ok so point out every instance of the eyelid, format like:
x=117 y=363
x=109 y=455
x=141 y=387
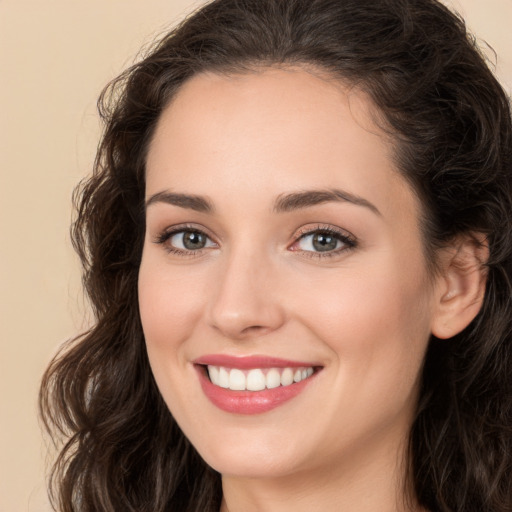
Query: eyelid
x=348 y=239
x=166 y=234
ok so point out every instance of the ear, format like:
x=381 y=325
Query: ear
x=461 y=285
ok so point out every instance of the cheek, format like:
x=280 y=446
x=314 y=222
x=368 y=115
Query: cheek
x=376 y=326
x=170 y=303
x=170 y=306
x=378 y=319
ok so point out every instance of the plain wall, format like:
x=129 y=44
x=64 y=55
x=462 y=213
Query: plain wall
x=56 y=55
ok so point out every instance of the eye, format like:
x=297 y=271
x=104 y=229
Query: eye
x=182 y=240
x=190 y=240
x=323 y=242
x=320 y=242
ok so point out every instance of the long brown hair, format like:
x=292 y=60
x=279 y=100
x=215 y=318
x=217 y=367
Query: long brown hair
x=451 y=123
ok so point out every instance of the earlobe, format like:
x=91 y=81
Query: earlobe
x=461 y=285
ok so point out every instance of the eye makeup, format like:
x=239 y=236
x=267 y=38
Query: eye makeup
x=323 y=241
x=185 y=240
x=318 y=241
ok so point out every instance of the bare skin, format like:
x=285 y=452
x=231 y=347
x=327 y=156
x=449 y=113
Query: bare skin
x=361 y=307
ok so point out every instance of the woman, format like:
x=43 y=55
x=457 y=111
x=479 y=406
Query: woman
x=297 y=242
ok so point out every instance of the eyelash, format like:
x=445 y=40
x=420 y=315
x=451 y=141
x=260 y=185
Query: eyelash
x=167 y=234
x=349 y=241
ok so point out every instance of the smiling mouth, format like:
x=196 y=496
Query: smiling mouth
x=254 y=384
x=257 y=379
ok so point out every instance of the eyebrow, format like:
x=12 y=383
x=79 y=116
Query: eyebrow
x=189 y=201
x=307 y=198
x=283 y=204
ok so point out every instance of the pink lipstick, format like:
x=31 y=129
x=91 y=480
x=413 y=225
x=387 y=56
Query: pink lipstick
x=252 y=385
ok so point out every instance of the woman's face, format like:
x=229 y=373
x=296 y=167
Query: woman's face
x=281 y=241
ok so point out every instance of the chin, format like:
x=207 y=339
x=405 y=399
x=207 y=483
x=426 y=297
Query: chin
x=242 y=467
x=259 y=459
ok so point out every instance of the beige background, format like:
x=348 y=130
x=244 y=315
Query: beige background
x=56 y=55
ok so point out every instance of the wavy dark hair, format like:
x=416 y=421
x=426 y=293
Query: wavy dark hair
x=451 y=125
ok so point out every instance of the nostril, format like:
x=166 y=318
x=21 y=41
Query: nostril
x=254 y=328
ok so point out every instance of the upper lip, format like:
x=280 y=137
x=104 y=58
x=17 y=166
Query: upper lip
x=248 y=362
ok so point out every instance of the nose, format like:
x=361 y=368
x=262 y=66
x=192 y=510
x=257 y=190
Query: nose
x=245 y=303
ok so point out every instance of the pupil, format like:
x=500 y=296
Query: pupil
x=193 y=240
x=324 y=242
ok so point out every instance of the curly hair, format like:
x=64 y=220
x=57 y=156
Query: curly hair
x=451 y=125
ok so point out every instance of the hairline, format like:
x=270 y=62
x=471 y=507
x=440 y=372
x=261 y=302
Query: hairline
x=389 y=135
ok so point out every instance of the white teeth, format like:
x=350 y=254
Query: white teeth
x=256 y=379
x=236 y=380
x=273 y=378
x=213 y=373
x=287 y=377
x=223 y=378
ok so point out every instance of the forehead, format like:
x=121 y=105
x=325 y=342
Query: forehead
x=270 y=130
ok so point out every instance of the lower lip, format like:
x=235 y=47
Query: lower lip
x=249 y=402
